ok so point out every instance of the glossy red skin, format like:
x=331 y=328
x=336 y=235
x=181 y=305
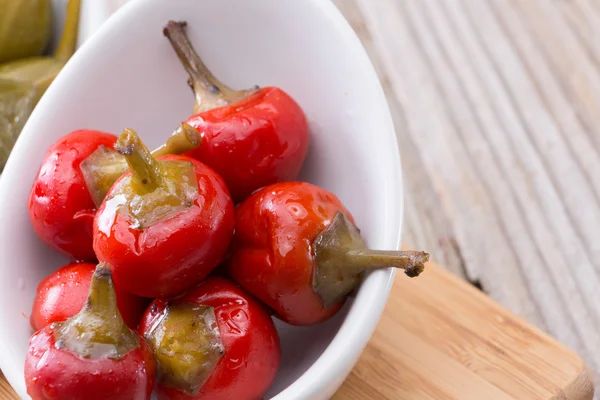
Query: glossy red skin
x=61 y=209
x=57 y=374
x=252 y=350
x=260 y=140
x=174 y=254
x=271 y=253
x=63 y=294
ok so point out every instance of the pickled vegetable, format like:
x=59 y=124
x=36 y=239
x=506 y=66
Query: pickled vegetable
x=24 y=81
x=25 y=28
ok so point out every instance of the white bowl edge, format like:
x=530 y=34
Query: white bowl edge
x=322 y=380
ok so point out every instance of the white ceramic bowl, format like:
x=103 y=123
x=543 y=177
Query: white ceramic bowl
x=126 y=75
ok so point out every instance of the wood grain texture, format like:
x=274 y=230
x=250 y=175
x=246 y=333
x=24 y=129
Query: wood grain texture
x=497 y=111
x=439 y=338
x=6 y=392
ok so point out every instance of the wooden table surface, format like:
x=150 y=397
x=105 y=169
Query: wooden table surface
x=497 y=109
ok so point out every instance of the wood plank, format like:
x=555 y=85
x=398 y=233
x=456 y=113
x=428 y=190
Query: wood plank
x=440 y=338
x=6 y=392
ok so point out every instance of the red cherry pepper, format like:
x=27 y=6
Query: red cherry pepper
x=62 y=294
x=297 y=249
x=252 y=138
x=216 y=343
x=75 y=175
x=164 y=227
x=61 y=209
x=92 y=355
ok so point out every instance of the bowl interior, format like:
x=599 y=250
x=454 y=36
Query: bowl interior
x=128 y=76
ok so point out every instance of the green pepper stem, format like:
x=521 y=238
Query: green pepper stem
x=412 y=262
x=98 y=330
x=341 y=259
x=68 y=39
x=184 y=139
x=208 y=90
x=102 y=299
x=141 y=163
x=187 y=345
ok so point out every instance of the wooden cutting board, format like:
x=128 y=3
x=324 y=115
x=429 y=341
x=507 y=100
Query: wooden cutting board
x=440 y=338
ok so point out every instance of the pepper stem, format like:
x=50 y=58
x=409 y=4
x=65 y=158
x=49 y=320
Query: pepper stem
x=103 y=167
x=144 y=167
x=98 y=330
x=341 y=259
x=412 y=262
x=208 y=90
x=68 y=39
x=102 y=298
x=187 y=345
x=184 y=139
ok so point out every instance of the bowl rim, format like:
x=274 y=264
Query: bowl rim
x=330 y=369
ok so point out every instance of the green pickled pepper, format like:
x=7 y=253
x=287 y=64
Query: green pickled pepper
x=25 y=28
x=24 y=81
